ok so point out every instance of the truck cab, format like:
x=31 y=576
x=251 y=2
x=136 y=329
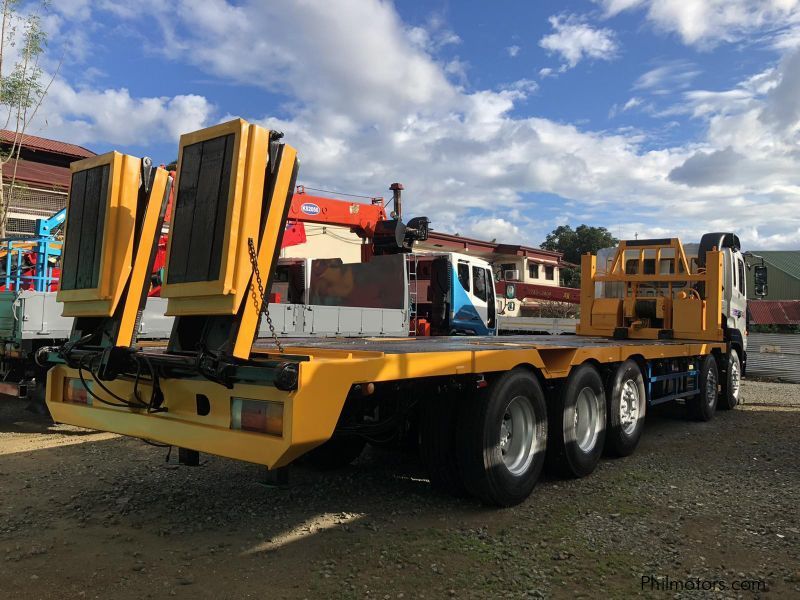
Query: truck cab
x=455 y=294
x=734 y=286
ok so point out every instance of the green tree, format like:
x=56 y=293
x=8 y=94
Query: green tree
x=21 y=87
x=573 y=243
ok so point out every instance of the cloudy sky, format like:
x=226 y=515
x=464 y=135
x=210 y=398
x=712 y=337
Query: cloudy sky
x=503 y=119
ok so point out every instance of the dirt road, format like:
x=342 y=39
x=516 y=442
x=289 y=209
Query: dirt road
x=91 y=515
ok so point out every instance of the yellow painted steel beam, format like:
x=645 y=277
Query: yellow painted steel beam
x=268 y=247
x=140 y=271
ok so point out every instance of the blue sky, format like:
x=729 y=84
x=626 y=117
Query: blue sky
x=502 y=119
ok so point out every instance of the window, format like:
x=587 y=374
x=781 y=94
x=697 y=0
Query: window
x=733 y=270
x=549 y=273
x=463 y=275
x=533 y=270
x=479 y=283
x=742 y=287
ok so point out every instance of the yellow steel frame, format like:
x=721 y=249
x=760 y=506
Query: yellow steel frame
x=709 y=307
x=311 y=412
x=140 y=270
x=270 y=240
x=117 y=244
x=224 y=295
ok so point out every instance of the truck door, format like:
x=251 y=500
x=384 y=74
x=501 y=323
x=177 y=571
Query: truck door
x=472 y=294
x=737 y=304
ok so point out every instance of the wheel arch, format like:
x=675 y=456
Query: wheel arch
x=543 y=381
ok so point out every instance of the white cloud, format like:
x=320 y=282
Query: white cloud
x=707 y=22
x=574 y=40
x=631 y=103
x=457 y=151
x=87 y=116
x=372 y=104
x=668 y=77
x=513 y=51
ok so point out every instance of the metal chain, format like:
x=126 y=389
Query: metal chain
x=264 y=305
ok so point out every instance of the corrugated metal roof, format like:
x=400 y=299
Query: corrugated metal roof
x=774 y=312
x=39 y=143
x=38 y=174
x=785 y=260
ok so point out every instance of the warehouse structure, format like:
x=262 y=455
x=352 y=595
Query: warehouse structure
x=783 y=275
x=41 y=179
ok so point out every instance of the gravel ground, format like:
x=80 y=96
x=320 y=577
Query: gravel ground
x=88 y=515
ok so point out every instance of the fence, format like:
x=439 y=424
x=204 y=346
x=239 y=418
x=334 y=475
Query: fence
x=774 y=356
x=30 y=203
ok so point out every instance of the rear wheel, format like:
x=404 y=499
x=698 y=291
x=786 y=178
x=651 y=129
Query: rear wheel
x=336 y=453
x=627 y=404
x=578 y=424
x=502 y=438
x=437 y=433
x=731 y=382
x=702 y=406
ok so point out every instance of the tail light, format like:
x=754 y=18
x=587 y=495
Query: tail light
x=257 y=415
x=76 y=392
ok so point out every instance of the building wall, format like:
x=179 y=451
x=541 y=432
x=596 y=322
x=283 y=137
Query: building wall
x=530 y=270
x=780 y=285
x=326 y=241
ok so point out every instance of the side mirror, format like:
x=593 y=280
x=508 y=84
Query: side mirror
x=511 y=291
x=760 y=280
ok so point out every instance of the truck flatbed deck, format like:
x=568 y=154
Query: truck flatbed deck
x=457 y=343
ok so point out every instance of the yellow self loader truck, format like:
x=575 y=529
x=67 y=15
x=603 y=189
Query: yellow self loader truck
x=658 y=324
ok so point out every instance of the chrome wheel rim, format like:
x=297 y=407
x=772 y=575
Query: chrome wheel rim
x=711 y=388
x=735 y=378
x=629 y=407
x=587 y=413
x=518 y=436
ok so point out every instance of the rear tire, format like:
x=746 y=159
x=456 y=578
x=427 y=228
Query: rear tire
x=502 y=438
x=627 y=405
x=578 y=424
x=702 y=406
x=731 y=382
x=437 y=432
x=336 y=453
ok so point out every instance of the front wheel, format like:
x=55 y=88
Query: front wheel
x=702 y=406
x=502 y=437
x=731 y=382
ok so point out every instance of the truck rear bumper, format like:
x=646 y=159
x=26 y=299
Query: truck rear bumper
x=184 y=423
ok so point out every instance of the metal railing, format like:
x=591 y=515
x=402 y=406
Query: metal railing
x=18 y=273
